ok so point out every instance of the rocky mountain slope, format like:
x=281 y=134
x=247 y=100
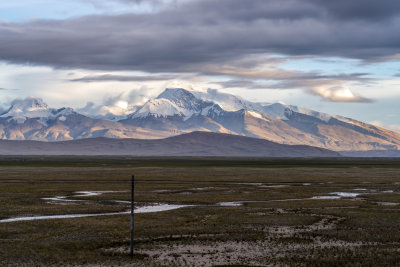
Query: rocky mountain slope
x=32 y=119
x=177 y=111
x=180 y=111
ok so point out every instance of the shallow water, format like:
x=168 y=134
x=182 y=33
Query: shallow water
x=345 y=194
x=230 y=204
x=326 y=197
x=63 y=200
x=159 y=207
x=35 y=218
x=143 y=209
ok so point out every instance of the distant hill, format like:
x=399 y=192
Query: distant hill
x=192 y=144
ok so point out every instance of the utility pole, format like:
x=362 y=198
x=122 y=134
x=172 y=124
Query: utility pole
x=132 y=211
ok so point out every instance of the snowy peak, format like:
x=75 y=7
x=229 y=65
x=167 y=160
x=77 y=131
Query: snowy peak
x=159 y=107
x=234 y=103
x=31 y=107
x=211 y=103
x=177 y=94
x=184 y=99
x=173 y=102
x=30 y=103
x=277 y=111
x=226 y=101
x=178 y=110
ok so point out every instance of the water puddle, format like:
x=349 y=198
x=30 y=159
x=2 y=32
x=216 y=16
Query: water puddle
x=230 y=204
x=275 y=186
x=337 y=195
x=326 y=197
x=69 y=216
x=157 y=207
x=345 y=194
x=64 y=200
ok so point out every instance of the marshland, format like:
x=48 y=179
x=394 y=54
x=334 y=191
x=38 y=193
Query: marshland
x=222 y=211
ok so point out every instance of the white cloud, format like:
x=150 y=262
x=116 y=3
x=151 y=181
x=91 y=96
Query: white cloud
x=338 y=94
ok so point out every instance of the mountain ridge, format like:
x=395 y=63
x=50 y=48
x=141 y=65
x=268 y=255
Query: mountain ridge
x=177 y=111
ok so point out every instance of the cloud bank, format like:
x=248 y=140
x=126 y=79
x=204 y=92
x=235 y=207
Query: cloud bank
x=243 y=41
x=195 y=33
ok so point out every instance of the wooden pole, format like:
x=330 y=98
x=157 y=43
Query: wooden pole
x=132 y=212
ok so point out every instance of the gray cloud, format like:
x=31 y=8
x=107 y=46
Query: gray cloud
x=360 y=9
x=241 y=84
x=122 y=78
x=103 y=4
x=110 y=106
x=333 y=88
x=195 y=33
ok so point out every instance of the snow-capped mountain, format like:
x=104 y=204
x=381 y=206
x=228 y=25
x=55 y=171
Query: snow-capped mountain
x=32 y=119
x=177 y=111
x=276 y=110
x=34 y=108
x=173 y=102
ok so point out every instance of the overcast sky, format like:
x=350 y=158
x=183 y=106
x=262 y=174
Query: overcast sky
x=340 y=57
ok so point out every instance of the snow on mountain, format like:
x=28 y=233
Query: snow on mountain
x=276 y=110
x=115 y=112
x=35 y=108
x=160 y=108
x=30 y=107
x=257 y=115
x=226 y=101
x=185 y=103
x=173 y=102
x=32 y=119
x=176 y=111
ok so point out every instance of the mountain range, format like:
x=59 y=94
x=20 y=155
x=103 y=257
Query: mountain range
x=178 y=111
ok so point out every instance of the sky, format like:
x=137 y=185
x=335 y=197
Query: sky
x=339 y=57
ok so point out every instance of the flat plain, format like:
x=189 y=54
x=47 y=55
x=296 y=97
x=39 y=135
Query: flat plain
x=235 y=212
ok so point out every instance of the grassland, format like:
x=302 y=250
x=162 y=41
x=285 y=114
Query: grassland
x=279 y=222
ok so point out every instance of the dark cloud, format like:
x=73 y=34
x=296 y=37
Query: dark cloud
x=106 y=3
x=360 y=9
x=248 y=84
x=196 y=33
x=333 y=88
x=122 y=78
